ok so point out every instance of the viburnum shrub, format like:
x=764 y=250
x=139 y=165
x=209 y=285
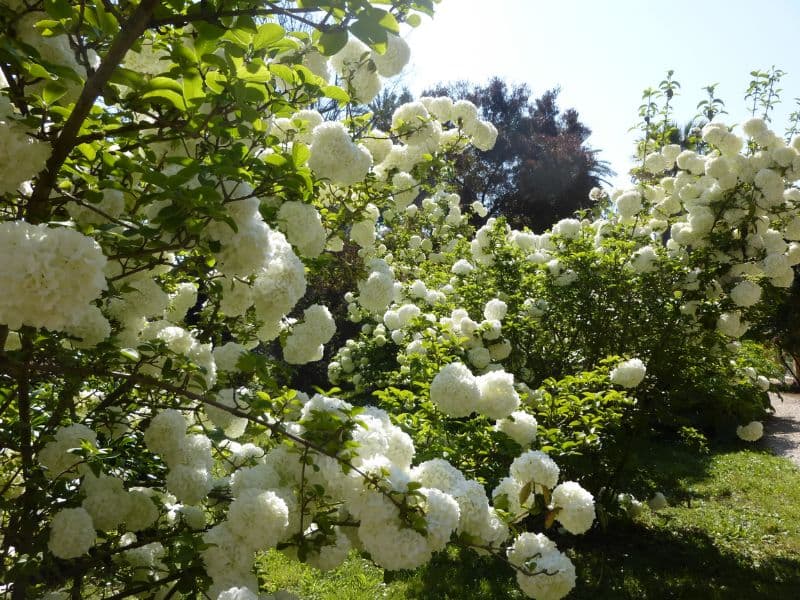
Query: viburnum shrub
x=181 y=185
x=195 y=205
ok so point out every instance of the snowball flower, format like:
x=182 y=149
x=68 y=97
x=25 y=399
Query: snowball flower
x=519 y=426
x=50 y=276
x=454 y=390
x=628 y=374
x=553 y=573
x=71 y=533
x=334 y=156
x=628 y=204
x=377 y=291
x=238 y=593
x=232 y=425
x=535 y=466
x=55 y=456
x=495 y=310
x=751 y=432
x=397 y=54
x=498 y=397
x=259 y=518
x=413 y=121
x=306 y=342
x=730 y=324
x=461 y=267
x=644 y=260
x=165 y=433
x=575 y=507
x=746 y=293
x=658 y=501
x=484 y=135
x=303 y=227
x=21 y=155
x=568 y=228
x=353 y=64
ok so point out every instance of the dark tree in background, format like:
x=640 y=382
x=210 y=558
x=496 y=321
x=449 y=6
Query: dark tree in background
x=539 y=171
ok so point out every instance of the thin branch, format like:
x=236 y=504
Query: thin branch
x=38 y=209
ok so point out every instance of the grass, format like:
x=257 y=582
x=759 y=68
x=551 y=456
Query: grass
x=732 y=531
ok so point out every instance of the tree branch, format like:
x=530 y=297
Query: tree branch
x=38 y=209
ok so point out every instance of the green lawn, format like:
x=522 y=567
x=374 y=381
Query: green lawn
x=732 y=531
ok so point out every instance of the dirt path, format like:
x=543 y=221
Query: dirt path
x=782 y=430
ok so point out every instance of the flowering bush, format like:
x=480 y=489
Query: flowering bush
x=176 y=193
x=179 y=218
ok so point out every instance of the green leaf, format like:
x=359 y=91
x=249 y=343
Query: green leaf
x=165 y=83
x=300 y=153
x=193 y=87
x=53 y=90
x=284 y=72
x=268 y=34
x=254 y=72
x=388 y=22
x=369 y=31
x=239 y=36
x=60 y=9
x=37 y=71
x=216 y=81
x=87 y=150
x=168 y=96
x=330 y=42
x=334 y=92
x=127 y=77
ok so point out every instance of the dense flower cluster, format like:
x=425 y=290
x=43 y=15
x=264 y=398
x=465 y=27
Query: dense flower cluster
x=71 y=533
x=306 y=341
x=188 y=456
x=56 y=274
x=21 y=155
x=548 y=574
x=751 y=432
x=628 y=374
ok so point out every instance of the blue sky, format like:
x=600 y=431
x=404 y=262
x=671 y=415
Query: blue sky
x=603 y=54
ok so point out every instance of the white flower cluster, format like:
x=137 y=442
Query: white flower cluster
x=458 y=393
x=334 y=155
x=550 y=574
x=232 y=425
x=751 y=432
x=110 y=504
x=278 y=285
x=71 y=533
x=257 y=520
x=397 y=55
x=244 y=250
x=520 y=426
x=303 y=227
x=629 y=373
x=377 y=290
x=298 y=127
x=21 y=156
x=187 y=456
x=306 y=341
x=360 y=67
x=574 y=507
x=55 y=456
x=110 y=206
x=353 y=63
x=51 y=277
